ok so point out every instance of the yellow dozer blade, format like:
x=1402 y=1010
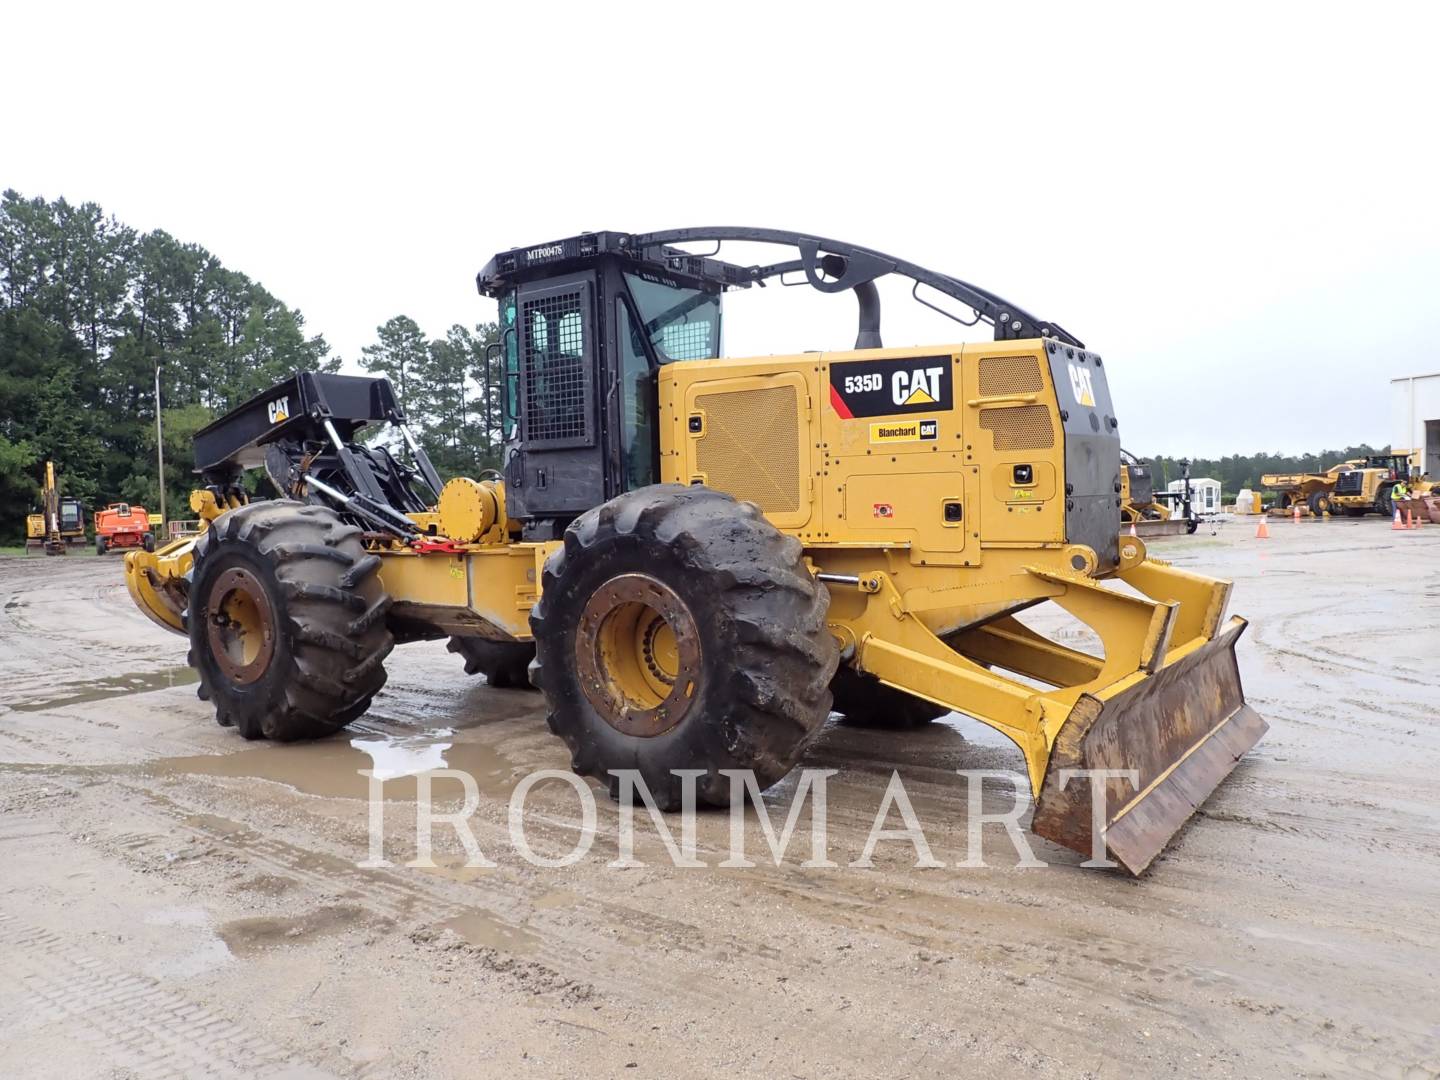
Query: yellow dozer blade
x=1162 y=708
x=1177 y=732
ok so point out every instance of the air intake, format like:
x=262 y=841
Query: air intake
x=1000 y=375
x=1024 y=427
x=749 y=448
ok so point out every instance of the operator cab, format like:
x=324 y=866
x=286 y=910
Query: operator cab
x=584 y=327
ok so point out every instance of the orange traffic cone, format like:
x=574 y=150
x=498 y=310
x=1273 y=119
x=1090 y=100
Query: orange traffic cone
x=1397 y=524
x=1262 y=532
x=1410 y=522
x=1132 y=530
x=1297 y=513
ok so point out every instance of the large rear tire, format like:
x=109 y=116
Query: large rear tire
x=287 y=621
x=505 y=664
x=678 y=629
x=864 y=701
x=1319 y=503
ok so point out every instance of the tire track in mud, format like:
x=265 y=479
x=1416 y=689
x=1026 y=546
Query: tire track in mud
x=606 y=940
x=421 y=903
x=57 y=620
x=131 y=1019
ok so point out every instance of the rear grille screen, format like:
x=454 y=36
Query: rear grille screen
x=1009 y=375
x=1349 y=483
x=749 y=447
x=1024 y=427
x=557 y=399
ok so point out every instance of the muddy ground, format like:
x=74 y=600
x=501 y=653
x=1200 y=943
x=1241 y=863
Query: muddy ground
x=175 y=901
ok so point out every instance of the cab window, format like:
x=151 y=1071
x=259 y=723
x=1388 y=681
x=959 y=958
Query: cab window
x=681 y=324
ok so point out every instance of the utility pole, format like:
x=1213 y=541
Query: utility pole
x=159 y=444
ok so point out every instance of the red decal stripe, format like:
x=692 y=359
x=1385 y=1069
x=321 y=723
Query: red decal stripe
x=838 y=404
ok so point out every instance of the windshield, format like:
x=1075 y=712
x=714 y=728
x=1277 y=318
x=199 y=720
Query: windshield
x=682 y=324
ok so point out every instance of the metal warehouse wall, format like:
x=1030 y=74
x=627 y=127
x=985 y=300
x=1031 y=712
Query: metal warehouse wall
x=1415 y=417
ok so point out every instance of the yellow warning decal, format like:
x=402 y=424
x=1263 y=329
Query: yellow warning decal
x=890 y=431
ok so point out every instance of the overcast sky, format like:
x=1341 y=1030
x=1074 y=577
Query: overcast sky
x=1237 y=206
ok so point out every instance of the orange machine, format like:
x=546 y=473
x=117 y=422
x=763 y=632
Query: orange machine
x=121 y=525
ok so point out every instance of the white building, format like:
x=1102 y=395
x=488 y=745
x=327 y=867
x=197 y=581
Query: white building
x=1204 y=495
x=1415 y=420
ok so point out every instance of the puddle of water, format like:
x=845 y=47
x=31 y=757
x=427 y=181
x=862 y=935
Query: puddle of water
x=248 y=936
x=485 y=931
x=558 y=898
x=332 y=768
x=394 y=756
x=976 y=732
x=114 y=686
x=1288 y=936
x=205 y=953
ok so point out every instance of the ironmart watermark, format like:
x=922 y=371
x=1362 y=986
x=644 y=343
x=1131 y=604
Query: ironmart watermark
x=895 y=819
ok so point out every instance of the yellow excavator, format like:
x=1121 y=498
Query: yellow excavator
x=60 y=523
x=698 y=560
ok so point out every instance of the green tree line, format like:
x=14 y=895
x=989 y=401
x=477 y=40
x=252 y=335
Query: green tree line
x=441 y=383
x=90 y=308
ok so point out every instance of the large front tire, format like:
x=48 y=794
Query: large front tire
x=678 y=629
x=287 y=621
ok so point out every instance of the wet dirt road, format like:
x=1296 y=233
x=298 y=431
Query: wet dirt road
x=175 y=901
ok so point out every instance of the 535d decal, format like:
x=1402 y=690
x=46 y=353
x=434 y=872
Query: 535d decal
x=891 y=387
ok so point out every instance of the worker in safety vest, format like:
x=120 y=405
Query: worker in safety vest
x=1400 y=492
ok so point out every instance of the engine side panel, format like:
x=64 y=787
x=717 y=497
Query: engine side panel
x=941 y=451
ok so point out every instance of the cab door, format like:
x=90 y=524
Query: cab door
x=558 y=469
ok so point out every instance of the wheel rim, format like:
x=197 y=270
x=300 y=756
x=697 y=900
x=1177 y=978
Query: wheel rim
x=637 y=653
x=240 y=626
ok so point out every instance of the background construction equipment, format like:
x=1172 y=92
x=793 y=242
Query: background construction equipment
x=60 y=523
x=123 y=526
x=1356 y=487
x=1146 y=512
